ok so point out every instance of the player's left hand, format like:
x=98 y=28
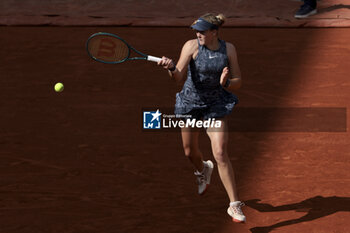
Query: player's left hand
x=224 y=76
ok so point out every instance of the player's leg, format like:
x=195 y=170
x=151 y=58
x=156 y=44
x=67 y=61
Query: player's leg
x=219 y=140
x=191 y=148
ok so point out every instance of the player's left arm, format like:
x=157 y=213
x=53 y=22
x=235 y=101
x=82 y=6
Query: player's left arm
x=233 y=72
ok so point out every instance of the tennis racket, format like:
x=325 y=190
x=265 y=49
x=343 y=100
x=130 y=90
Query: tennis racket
x=111 y=49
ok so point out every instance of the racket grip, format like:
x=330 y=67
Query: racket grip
x=154 y=59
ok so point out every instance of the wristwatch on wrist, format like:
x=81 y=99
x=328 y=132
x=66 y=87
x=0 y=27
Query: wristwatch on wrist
x=227 y=83
x=172 y=69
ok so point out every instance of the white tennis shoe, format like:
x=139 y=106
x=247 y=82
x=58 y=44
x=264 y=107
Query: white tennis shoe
x=235 y=211
x=203 y=178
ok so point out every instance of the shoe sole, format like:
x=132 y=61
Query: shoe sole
x=211 y=168
x=307 y=15
x=233 y=219
x=237 y=221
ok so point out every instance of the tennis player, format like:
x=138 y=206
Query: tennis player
x=212 y=74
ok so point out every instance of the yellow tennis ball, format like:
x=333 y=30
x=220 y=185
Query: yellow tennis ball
x=59 y=87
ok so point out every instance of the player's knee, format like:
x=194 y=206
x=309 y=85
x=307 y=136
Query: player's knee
x=189 y=151
x=220 y=156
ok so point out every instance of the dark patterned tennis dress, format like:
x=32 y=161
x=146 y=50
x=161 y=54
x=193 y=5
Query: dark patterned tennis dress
x=202 y=95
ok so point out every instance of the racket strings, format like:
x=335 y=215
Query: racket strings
x=107 y=48
x=121 y=51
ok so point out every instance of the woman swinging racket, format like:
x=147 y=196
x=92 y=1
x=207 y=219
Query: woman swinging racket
x=212 y=74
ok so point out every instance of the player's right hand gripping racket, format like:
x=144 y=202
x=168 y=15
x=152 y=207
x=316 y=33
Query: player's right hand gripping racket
x=111 y=49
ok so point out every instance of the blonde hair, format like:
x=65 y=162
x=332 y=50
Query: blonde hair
x=218 y=20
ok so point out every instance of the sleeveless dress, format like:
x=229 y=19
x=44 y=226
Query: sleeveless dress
x=202 y=95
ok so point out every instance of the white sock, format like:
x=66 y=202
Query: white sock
x=234 y=203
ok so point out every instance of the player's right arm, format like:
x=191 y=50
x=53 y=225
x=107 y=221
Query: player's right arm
x=187 y=52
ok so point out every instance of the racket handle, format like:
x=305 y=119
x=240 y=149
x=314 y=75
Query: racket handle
x=154 y=59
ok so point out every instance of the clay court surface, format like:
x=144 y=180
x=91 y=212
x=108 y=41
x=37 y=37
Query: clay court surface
x=79 y=161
